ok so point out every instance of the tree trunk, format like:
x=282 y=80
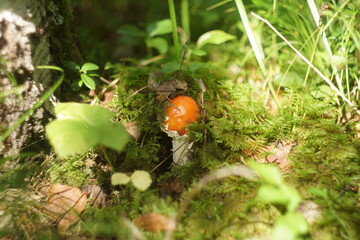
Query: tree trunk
x=32 y=33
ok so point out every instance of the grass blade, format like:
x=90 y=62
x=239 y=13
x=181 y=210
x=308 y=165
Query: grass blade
x=332 y=86
x=174 y=28
x=29 y=112
x=185 y=16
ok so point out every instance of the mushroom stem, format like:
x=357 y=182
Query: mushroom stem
x=181 y=150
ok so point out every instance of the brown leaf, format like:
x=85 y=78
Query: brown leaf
x=96 y=194
x=154 y=222
x=170 y=187
x=108 y=96
x=278 y=154
x=64 y=204
x=165 y=89
x=133 y=130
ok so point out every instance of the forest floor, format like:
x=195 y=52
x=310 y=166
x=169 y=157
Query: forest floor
x=270 y=157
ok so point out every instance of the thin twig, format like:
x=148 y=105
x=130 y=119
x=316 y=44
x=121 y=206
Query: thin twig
x=103 y=91
x=332 y=86
x=136 y=92
x=183 y=57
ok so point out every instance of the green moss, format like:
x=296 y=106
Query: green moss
x=73 y=171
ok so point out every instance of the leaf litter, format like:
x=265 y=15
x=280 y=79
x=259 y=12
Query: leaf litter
x=64 y=204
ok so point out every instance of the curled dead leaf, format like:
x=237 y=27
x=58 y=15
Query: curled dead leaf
x=95 y=194
x=133 y=130
x=64 y=205
x=154 y=222
x=165 y=89
x=278 y=154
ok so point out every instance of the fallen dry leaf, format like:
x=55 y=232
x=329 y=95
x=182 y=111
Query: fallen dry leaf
x=170 y=187
x=133 y=130
x=278 y=154
x=64 y=204
x=310 y=210
x=154 y=222
x=95 y=194
x=165 y=89
x=108 y=96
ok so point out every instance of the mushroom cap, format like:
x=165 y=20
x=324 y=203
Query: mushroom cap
x=181 y=111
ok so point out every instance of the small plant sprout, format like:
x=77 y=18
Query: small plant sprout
x=181 y=111
x=86 y=74
x=140 y=179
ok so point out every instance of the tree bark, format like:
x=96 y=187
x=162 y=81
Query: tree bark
x=32 y=33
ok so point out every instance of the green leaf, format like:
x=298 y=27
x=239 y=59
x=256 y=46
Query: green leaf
x=89 y=82
x=93 y=75
x=214 y=37
x=119 y=178
x=339 y=61
x=322 y=92
x=160 y=28
x=80 y=127
x=114 y=136
x=291 y=80
x=282 y=231
x=269 y=173
x=91 y=114
x=69 y=136
x=131 y=30
x=292 y=195
x=170 y=67
x=284 y=195
x=193 y=66
x=159 y=44
x=72 y=66
x=76 y=85
x=319 y=192
x=290 y=226
x=141 y=180
x=272 y=194
x=89 y=67
x=198 y=52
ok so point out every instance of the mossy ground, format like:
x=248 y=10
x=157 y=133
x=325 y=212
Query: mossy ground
x=234 y=123
x=240 y=118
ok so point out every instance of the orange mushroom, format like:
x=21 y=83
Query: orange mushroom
x=181 y=111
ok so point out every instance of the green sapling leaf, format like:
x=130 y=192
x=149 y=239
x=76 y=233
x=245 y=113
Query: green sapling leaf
x=114 y=136
x=194 y=66
x=119 y=178
x=319 y=192
x=79 y=127
x=70 y=136
x=141 y=180
x=170 y=67
x=89 y=67
x=159 y=44
x=131 y=30
x=214 y=37
x=159 y=28
x=91 y=114
x=93 y=75
x=285 y=195
x=198 y=52
x=272 y=194
x=89 y=82
x=292 y=195
x=290 y=226
x=268 y=173
x=72 y=66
